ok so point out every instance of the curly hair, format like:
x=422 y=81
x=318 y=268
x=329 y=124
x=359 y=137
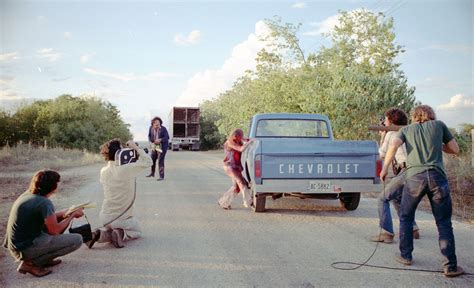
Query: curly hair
x=397 y=116
x=422 y=113
x=109 y=149
x=44 y=181
x=156 y=118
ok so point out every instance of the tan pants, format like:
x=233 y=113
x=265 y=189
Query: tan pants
x=238 y=185
x=130 y=227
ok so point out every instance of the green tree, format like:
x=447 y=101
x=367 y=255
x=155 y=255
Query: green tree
x=209 y=133
x=69 y=122
x=6 y=128
x=353 y=82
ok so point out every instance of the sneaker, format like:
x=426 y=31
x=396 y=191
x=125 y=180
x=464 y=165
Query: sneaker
x=150 y=175
x=117 y=238
x=416 y=234
x=402 y=260
x=453 y=272
x=383 y=237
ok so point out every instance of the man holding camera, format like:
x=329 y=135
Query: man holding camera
x=118 y=182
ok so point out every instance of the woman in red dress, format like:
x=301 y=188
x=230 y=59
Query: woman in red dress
x=233 y=148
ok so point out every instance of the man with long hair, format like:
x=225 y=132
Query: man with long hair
x=158 y=137
x=426 y=138
x=35 y=231
x=393 y=187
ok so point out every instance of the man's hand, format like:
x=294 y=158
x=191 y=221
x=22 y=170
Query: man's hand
x=78 y=213
x=383 y=173
x=157 y=141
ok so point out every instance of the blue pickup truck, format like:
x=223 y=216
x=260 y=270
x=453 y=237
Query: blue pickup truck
x=295 y=155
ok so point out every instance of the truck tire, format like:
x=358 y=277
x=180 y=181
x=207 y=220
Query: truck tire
x=259 y=203
x=350 y=201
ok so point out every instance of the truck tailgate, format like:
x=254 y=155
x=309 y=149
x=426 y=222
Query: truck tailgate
x=312 y=158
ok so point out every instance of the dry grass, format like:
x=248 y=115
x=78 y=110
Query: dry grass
x=461 y=183
x=27 y=158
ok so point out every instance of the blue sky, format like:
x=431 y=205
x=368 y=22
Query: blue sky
x=148 y=56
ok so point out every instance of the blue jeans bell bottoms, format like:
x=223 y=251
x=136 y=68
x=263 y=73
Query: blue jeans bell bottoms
x=392 y=191
x=434 y=185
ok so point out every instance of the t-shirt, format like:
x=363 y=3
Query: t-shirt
x=424 y=143
x=26 y=220
x=401 y=154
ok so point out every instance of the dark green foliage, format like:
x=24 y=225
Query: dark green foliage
x=69 y=122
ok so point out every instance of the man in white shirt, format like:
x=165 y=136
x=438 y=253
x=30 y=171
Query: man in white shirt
x=393 y=186
x=118 y=182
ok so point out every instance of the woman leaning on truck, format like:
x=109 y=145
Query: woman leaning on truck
x=233 y=148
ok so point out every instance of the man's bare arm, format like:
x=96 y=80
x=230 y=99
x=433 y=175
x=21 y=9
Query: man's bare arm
x=451 y=147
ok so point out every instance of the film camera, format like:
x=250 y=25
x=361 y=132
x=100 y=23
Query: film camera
x=125 y=156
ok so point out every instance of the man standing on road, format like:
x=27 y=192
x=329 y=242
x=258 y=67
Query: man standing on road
x=158 y=137
x=425 y=140
x=118 y=183
x=392 y=191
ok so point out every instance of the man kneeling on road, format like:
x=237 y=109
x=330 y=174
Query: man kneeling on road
x=425 y=140
x=118 y=182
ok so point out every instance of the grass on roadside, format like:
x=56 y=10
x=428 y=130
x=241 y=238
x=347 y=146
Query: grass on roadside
x=26 y=158
x=461 y=182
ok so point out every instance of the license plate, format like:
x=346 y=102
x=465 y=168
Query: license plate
x=320 y=186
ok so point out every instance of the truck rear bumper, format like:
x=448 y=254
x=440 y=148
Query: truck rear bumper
x=307 y=186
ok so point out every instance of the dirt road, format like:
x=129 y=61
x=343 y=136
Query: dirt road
x=189 y=241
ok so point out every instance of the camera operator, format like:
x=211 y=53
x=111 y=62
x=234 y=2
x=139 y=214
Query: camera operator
x=118 y=182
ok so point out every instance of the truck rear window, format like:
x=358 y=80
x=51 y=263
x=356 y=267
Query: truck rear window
x=292 y=128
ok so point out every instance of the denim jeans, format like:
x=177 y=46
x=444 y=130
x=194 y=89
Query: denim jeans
x=435 y=186
x=47 y=247
x=392 y=191
x=161 y=163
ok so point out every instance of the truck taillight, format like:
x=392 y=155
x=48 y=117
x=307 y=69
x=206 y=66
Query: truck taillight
x=378 y=167
x=258 y=167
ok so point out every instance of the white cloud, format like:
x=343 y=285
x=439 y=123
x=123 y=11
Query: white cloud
x=299 y=5
x=9 y=56
x=191 y=39
x=210 y=83
x=86 y=57
x=68 y=35
x=125 y=77
x=8 y=89
x=49 y=54
x=456 y=102
x=325 y=26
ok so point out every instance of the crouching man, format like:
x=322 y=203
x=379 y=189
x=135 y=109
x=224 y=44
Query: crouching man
x=118 y=182
x=34 y=229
